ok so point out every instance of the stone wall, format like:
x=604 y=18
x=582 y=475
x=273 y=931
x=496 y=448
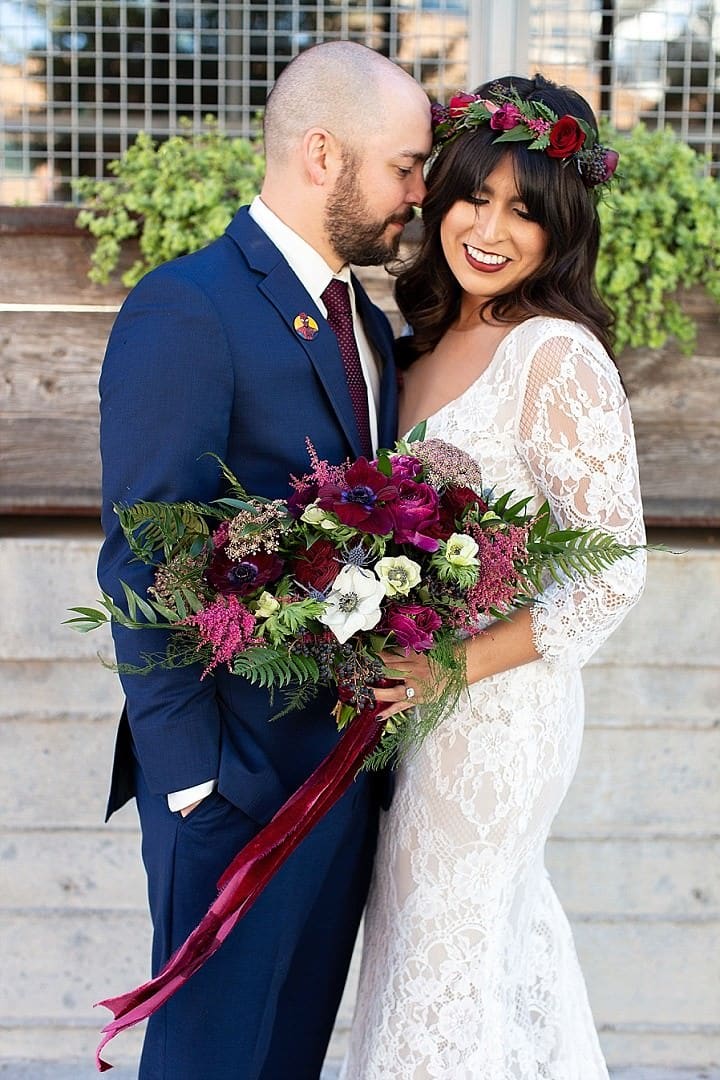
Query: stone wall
x=634 y=854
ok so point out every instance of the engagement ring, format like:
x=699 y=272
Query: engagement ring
x=409 y=693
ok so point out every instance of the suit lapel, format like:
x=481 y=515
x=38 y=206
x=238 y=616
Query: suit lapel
x=285 y=292
x=380 y=338
x=287 y=295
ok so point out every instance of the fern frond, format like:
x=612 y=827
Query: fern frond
x=567 y=552
x=296 y=699
x=272 y=668
x=151 y=526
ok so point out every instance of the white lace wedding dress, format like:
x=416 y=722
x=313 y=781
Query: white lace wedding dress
x=469 y=970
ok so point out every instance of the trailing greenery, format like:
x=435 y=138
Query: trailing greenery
x=150 y=526
x=174 y=197
x=660 y=235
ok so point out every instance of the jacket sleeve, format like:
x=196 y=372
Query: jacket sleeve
x=166 y=394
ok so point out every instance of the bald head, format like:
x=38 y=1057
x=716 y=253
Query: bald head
x=340 y=86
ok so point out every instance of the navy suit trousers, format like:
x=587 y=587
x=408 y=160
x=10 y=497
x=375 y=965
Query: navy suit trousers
x=263 y=1007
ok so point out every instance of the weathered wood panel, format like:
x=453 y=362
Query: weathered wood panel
x=51 y=358
x=49 y=459
x=44 y=259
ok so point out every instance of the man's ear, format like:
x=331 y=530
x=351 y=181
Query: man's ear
x=321 y=156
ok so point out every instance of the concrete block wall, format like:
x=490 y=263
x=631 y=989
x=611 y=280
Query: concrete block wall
x=634 y=855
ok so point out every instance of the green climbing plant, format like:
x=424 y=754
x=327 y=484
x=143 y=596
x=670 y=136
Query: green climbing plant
x=660 y=236
x=174 y=197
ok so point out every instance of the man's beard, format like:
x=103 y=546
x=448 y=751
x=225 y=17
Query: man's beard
x=354 y=235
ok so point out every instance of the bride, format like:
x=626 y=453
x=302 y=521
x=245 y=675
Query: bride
x=469 y=970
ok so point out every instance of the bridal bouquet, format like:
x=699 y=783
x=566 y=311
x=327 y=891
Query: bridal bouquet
x=405 y=552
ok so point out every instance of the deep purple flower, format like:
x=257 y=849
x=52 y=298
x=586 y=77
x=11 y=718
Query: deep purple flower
x=413 y=626
x=232 y=577
x=361 y=501
x=415 y=515
x=610 y=159
x=301 y=499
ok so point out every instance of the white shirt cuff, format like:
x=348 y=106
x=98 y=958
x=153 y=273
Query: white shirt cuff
x=178 y=800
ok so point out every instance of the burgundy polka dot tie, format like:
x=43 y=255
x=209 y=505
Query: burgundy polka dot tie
x=337 y=301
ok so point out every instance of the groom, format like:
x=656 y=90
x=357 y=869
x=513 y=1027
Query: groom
x=245 y=349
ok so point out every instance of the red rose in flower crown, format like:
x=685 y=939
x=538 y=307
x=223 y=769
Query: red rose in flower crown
x=566 y=138
x=459 y=103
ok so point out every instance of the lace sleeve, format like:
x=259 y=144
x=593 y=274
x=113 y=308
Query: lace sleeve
x=575 y=432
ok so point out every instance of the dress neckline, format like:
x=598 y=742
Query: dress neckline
x=499 y=349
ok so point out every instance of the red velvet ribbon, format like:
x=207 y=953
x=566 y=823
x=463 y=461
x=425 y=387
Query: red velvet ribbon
x=248 y=874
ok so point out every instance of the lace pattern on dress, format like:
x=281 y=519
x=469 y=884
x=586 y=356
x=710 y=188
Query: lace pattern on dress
x=469 y=970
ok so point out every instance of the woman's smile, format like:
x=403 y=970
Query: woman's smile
x=485 y=261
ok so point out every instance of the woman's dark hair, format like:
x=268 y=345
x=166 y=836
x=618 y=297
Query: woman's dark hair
x=555 y=196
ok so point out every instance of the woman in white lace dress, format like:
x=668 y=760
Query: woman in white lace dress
x=469 y=969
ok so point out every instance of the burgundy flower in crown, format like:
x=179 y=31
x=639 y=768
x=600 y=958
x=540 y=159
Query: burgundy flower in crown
x=565 y=138
x=506 y=118
x=459 y=103
x=611 y=158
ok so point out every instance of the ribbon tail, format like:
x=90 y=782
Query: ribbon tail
x=248 y=874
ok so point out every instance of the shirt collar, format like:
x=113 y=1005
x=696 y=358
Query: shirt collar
x=305 y=262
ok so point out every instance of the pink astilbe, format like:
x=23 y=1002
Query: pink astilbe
x=227 y=626
x=501 y=555
x=321 y=472
x=538 y=127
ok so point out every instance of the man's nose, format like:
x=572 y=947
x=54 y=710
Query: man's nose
x=418 y=190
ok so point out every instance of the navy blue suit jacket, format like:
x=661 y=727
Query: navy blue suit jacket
x=204 y=357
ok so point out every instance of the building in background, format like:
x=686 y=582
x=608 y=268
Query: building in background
x=80 y=78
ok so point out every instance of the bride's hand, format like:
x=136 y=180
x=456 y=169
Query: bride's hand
x=414 y=670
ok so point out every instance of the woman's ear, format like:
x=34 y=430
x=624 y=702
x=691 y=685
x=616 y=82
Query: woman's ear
x=321 y=156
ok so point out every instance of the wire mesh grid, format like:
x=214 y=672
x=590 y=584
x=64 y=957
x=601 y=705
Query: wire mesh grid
x=80 y=78
x=650 y=61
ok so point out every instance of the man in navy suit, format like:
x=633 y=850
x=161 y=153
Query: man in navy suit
x=229 y=350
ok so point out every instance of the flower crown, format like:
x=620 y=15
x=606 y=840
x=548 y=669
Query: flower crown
x=566 y=137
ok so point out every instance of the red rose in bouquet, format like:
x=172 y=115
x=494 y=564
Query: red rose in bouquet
x=318 y=567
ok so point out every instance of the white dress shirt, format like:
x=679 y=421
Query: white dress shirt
x=315 y=275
